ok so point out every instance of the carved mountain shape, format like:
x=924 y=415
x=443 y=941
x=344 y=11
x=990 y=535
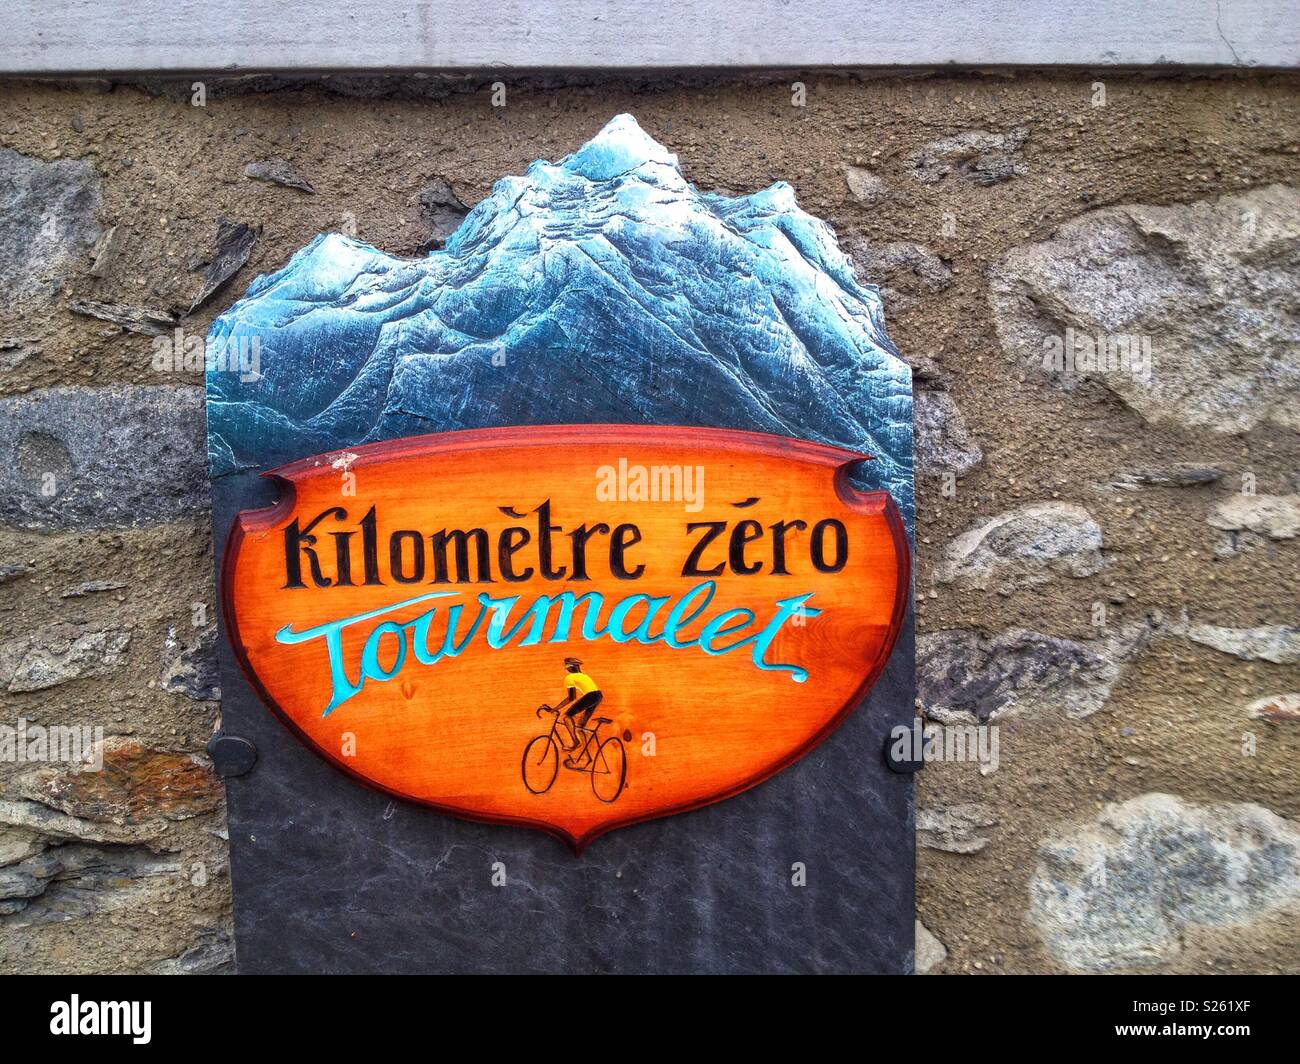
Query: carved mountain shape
x=600 y=288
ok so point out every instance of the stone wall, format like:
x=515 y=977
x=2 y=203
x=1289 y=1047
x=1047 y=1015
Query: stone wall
x=1106 y=548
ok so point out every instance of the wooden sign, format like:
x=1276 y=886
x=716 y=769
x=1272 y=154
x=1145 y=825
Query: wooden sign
x=572 y=628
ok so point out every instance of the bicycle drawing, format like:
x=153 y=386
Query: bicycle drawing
x=604 y=759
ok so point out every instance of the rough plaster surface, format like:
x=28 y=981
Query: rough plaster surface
x=101 y=882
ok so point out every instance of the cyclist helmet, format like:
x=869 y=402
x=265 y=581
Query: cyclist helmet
x=574 y=662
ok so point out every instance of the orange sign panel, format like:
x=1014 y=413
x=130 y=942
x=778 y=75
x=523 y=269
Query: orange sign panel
x=574 y=628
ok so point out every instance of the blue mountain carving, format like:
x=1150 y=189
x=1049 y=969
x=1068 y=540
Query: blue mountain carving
x=602 y=288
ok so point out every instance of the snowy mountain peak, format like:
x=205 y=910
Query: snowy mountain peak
x=621 y=147
x=602 y=288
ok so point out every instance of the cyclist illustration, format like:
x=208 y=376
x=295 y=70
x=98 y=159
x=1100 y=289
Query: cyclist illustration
x=584 y=694
x=605 y=759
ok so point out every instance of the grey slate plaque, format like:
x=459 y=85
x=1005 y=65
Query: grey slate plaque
x=600 y=289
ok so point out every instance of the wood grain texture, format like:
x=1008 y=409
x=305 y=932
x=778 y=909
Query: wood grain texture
x=451 y=733
x=112 y=36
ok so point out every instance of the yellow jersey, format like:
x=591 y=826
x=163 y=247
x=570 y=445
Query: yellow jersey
x=584 y=683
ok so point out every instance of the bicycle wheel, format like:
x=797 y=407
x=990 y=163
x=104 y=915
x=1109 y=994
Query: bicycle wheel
x=540 y=764
x=609 y=770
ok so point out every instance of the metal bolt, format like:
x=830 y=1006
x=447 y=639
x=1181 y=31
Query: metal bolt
x=231 y=755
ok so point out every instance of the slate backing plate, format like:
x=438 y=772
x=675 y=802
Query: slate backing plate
x=331 y=876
